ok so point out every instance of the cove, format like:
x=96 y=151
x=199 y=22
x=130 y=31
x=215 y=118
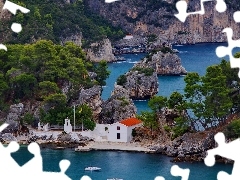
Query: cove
x=195 y=58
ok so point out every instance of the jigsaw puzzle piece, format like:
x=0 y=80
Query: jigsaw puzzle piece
x=222 y=51
x=223 y=176
x=110 y=1
x=85 y=178
x=12 y=7
x=177 y=171
x=221 y=6
x=181 y=6
x=5 y=156
x=64 y=164
x=5 y=125
x=236 y=16
x=159 y=178
x=226 y=150
x=35 y=165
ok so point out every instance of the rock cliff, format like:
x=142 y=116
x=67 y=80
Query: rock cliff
x=91 y=97
x=13 y=117
x=139 y=85
x=101 y=51
x=118 y=107
x=189 y=147
x=157 y=17
x=163 y=63
x=75 y=38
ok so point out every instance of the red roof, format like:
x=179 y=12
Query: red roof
x=130 y=121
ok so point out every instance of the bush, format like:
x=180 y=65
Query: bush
x=121 y=80
x=166 y=50
x=233 y=129
x=28 y=118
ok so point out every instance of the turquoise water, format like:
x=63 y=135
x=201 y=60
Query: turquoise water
x=128 y=166
x=195 y=58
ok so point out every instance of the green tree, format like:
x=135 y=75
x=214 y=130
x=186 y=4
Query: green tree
x=102 y=72
x=28 y=118
x=55 y=100
x=121 y=80
x=217 y=101
x=149 y=119
x=156 y=103
x=176 y=101
x=22 y=84
x=46 y=88
x=84 y=115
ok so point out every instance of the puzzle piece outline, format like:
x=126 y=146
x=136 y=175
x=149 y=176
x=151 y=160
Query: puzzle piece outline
x=226 y=150
x=33 y=168
x=13 y=8
x=222 y=51
x=177 y=171
x=181 y=6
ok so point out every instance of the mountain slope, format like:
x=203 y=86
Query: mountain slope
x=157 y=17
x=58 y=21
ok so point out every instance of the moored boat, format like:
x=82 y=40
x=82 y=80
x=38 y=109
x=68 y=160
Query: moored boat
x=91 y=168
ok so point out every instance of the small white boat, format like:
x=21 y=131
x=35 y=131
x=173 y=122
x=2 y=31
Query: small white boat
x=114 y=179
x=91 y=168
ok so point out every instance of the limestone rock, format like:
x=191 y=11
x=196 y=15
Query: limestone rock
x=163 y=64
x=118 y=107
x=190 y=146
x=101 y=51
x=144 y=18
x=75 y=38
x=141 y=86
x=13 y=116
x=91 y=97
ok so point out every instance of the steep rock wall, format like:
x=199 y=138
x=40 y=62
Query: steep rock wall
x=145 y=17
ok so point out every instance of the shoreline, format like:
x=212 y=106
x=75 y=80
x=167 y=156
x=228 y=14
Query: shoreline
x=77 y=143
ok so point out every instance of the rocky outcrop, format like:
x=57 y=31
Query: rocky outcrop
x=163 y=64
x=118 y=107
x=189 y=147
x=75 y=38
x=13 y=117
x=141 y=86
x=91 y=97
x=101 y=51
x=148 y=17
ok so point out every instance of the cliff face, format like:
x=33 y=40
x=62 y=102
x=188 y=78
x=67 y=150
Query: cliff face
x=118 y=107
x=163 y=64
x=141 y=86
x=101 y=51
x=91 y=97
x=157 y=17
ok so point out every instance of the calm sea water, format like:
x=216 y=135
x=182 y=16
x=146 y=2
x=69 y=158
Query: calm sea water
x=195 y=58
x=128 y=166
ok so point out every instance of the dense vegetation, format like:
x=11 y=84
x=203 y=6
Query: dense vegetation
x=49 y=19
x=208 y=101
x=39 y=71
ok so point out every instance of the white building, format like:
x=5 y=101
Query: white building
x=117 y=132
x=67 y=126
x=129 y=36
x=122 y=131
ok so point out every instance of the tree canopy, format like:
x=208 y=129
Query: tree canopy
x=207 y=101
x=58 y=21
